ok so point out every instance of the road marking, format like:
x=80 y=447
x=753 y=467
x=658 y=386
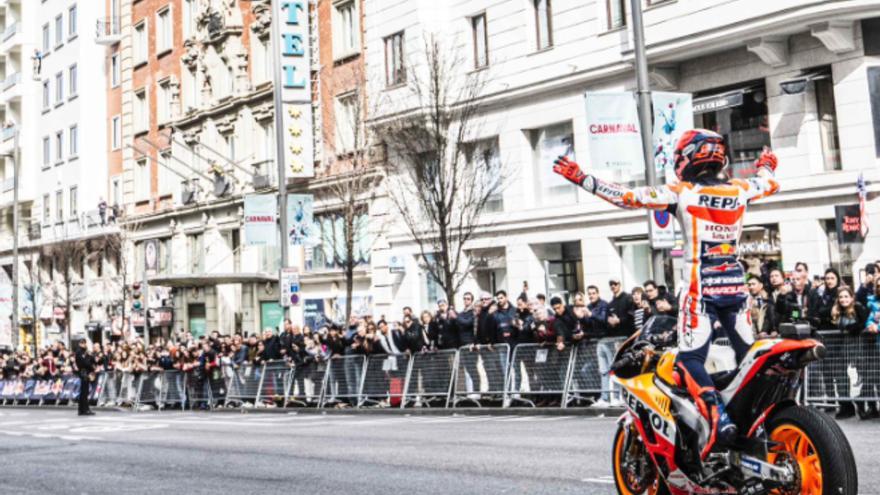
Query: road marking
x=46 y=435
x=605 y=480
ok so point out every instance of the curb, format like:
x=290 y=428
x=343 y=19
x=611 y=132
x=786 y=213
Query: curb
x=468 y=411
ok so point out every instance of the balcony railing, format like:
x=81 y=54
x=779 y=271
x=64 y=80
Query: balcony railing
x=8 y=133
x=11 y=80
x=108 y=31
x=10 y=31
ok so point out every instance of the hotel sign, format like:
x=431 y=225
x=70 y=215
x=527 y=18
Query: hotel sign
x=293 y=54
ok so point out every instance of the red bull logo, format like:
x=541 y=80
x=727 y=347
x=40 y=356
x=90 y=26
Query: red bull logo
x=721 y=250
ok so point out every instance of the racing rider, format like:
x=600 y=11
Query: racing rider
x=710 y=209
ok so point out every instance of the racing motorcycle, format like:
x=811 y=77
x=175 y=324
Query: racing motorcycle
x=665 y=441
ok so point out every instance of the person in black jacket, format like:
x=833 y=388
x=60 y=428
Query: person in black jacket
x=867 y=287
x=443 y=330
x=849 y=317
x=465 y=322
x=85 y=367
x=620 y=311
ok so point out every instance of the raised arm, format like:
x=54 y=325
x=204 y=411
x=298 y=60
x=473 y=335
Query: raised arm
x=655 y=198
x=764 y=184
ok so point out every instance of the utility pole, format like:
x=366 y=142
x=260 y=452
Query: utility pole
x=15 y=232
x=279 y=144
x=644 y=94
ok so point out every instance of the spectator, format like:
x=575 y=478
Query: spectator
x=565 y=324
x=542 y=302
x=390 y=340
x=443 y=330
x=761 y=311
x=870 y=354
x=849 y=317
x=867 y=287
x=640 y=308
x=503 y=321
x=823 y=301
x=659 y=304
x=102 y=211
x=465 y=322
x=620 y=311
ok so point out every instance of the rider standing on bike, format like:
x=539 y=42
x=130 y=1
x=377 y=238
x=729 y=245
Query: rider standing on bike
x=710 y=209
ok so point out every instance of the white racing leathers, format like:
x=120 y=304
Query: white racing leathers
x=713 y=292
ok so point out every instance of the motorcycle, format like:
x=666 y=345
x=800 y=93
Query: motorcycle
x=665 y=441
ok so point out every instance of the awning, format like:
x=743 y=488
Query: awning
x=210 y=279
x=798 y=85
x=712 y=103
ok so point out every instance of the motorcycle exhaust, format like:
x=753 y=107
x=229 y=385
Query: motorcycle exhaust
x=813 y=354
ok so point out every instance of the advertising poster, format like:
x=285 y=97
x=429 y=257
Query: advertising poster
x=673 y=114
x=300 y=220
x=614 y=137
x=260 y=220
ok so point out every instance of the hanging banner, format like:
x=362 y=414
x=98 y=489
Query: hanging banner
x=673 y=114
x=260 y=222
x=293 y=53
x=848 y=221
x=615 y=141
x=151 y=256
x=300 y=220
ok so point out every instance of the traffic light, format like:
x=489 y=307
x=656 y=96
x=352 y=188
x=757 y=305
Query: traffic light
x=136 y=296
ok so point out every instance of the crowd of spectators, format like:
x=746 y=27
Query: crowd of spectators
x=491 y=319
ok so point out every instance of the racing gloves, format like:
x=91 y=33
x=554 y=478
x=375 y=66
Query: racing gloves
x=767 y=159
x=570 y=170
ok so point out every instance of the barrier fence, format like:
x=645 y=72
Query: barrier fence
x=528 y=374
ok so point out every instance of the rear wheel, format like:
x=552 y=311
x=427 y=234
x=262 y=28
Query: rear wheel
x=813 y=444
x=634 y=471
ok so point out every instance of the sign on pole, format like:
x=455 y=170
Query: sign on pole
x=848 y=221
x=615 y=142
x=300 y=219
x=294 y=56
x=289 y=283
x=662 y=229
x=260 y=217
x=673 y=114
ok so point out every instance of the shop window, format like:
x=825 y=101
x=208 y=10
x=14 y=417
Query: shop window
x=330 y=253
x=759 y=248
x=485 y=154
x=547 y=144
x=740 y=115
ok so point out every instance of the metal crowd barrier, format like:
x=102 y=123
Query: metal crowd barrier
x=383 y=380
x=161 y=389
x=273 y=384
x=584 y=380
x=481 y=374
x=244 y=386
x=430 y=378
x=342 y=381
x=306 y=386
x=538 y=370
x=849 y=371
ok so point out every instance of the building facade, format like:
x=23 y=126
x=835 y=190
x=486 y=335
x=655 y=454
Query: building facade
x=798 y=77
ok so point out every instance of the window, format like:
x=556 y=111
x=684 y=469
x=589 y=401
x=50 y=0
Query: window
x=59 y=147
x=394 y=61
x=73 y=137
x=230 y=80
x=190 y=12
x=47 y=209
x=142 y=180
x=59 y=205
x=481 y=41
x=616 y=13
x=141 y=117
x=116 y=191
x=164 y=30
x=71 y=81
x=265 y=146
x=262 y=60
x=59 y=88
x=166 y=181
x=229 y=139
x=196 y=258
x=874 y=94
x=116 y=133
x=73 y=198
x=46 y=40
x=826 y=114
x=739 y=113
x=47 y=153
x=484 y=154
x=547 y=144
x=115 y=72
x=543 y=24
x=47 y=100
x=346 y=123
x=59 y=30
x=190 y=89
x=163 y=105
x=140 y=43
x=71 y=22
x=346 y=29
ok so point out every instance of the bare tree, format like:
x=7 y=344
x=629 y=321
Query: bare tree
x=354 y=177
x=439 y=190
x=68 y=258
x=116 y=248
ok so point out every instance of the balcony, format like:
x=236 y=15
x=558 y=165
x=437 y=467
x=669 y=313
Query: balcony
x=11 y=89
x=8 y=133
x=108 y=31
x=11 y=37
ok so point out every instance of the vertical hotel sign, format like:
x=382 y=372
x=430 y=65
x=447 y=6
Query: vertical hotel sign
x=294 y=55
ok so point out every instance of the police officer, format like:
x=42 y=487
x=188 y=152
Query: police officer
x=85 y=367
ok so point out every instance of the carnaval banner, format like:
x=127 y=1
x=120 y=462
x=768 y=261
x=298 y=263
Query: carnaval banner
x=615 y=141
x=260 y=223
x=673 y=114
x=300 y=220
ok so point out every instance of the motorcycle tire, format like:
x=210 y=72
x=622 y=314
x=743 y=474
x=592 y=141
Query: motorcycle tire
x=657 y=488
x=824 y=458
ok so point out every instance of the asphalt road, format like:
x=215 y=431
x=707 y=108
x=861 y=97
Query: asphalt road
x=46 y=451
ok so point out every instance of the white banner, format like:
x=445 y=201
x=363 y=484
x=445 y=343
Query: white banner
x=615 y=142
x=673 y=114
x=260 y=222
x=294 y=55
x=300 y=220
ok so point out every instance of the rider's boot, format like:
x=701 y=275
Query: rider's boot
x=726 y=427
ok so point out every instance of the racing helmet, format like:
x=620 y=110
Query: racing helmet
x=697 y=152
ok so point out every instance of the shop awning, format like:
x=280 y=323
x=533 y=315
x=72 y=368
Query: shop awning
x=712 y=103
x=210 y=279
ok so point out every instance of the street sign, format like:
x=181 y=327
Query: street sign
x=662 y=229
x=290 y=289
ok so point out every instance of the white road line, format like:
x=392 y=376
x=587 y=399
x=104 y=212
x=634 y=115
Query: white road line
x=605 y=480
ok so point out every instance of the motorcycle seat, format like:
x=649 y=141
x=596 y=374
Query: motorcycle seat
x=723 y=378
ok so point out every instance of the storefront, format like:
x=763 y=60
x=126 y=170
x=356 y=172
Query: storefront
x=271 y=315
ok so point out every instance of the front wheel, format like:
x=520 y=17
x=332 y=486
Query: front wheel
x=813 y=444
x=634 y=470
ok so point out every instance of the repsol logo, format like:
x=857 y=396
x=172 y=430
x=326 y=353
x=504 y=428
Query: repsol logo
x=658 y=422
x=719 y=202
